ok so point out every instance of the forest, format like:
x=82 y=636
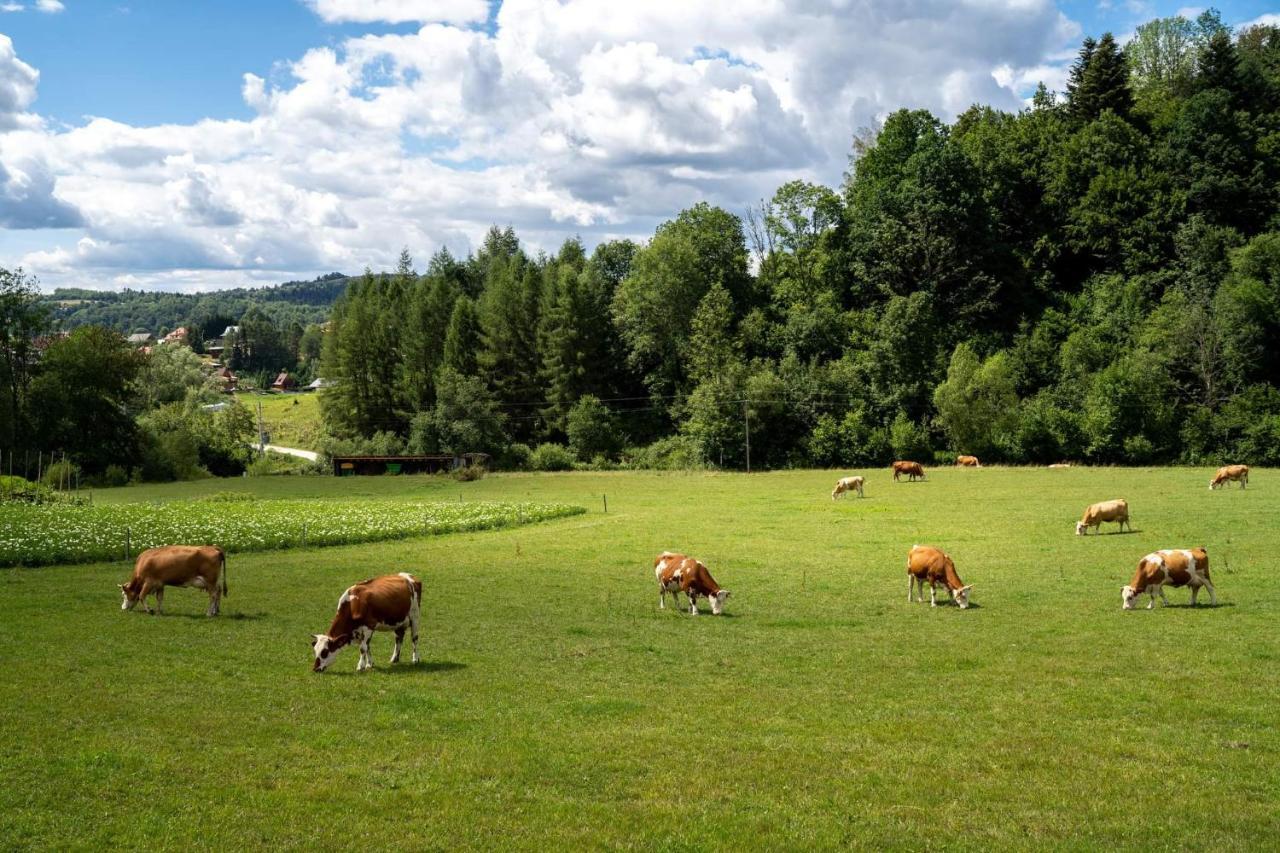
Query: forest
x=1094 y=278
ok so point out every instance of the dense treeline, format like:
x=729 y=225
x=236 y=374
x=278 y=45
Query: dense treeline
x=127 y=311
x=1096 y=278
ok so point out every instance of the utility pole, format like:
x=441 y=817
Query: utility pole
x=746 y=431
x=262 y=441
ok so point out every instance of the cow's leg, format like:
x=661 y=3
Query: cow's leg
x=160 y=600
x=693 y=603
x=1213 y=598
x=933 y=594
x=1163 y=598
x=662 y=597
x=366 y=659
x=215 y=600
x=413 y=634
x=911 y=587
x=395 y=653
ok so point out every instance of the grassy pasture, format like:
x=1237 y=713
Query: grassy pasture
x=292 y=420
x=556 y=707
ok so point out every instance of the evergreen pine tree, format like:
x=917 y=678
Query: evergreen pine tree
x=462 y=340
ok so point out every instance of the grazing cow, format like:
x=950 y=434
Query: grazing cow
x=200 y=566
x=968 y=462
x=677 y=573
x=1117 y=510
x=911 y=469
x=1175 y=568
x=1228 y=473
x=847 y=484
x=1060 y=465
x=387 y=603
x=925 y=563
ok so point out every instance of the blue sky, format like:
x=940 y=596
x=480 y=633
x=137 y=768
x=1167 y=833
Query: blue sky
x=356 y=135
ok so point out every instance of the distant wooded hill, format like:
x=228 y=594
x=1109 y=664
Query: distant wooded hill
x=132 y=310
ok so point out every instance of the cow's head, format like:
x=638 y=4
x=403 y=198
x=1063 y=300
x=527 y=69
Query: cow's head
x=962 y=596
x=1213 y=484
x=1080 y=528
x=129 y=594
x=1127 y=596
x=325 y=648
x=717 y=601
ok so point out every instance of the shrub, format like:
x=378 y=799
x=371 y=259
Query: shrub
x=515 y=457
x=61 y=475
x=227 y=497
x=468 y=473
x=592 y=429
x=551 y=457
x=678 y=452
x=910 y=440
x=114 y=477
x=20 y=490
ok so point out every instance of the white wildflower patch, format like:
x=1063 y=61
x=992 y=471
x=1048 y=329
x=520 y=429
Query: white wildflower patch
x=36 y=535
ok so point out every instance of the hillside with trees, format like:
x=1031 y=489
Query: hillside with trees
x=127 y=311
x=1094 y=278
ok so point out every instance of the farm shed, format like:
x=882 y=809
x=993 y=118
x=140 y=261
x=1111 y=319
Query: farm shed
x=284 y=382
x=345 y=466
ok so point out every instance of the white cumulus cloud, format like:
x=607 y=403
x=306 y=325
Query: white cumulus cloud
x=587 y=117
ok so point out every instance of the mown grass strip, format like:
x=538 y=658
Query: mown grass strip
x=42 y=535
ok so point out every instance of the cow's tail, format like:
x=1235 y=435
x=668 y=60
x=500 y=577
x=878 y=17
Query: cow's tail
x=222 y=576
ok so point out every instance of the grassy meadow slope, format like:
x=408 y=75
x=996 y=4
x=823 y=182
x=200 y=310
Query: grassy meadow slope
x=557 y=707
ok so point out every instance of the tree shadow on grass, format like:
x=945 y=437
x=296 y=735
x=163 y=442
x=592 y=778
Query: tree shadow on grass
x=419 y=668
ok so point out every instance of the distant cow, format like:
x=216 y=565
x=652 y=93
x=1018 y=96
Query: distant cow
x=968 y=462
x=1228 y=473
x=847 y=484
x=1117 y=510
x=1174 y=568
x=911 y=469
x=200 y=566
x=387 y=603
x=677 y=573
x=926 y=564
x=1060 y=465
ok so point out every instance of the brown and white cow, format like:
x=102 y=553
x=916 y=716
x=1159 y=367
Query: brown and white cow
x=200 y=566
x=387 y=603
x=847 y=484
x=1117 y=510
x=928 y=564
x=1230 y=473
x=677 y=573
x=1189 y=567
x=968 y=462
x=911 y=469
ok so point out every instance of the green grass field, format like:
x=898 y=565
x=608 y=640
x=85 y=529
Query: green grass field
x=292 y=420
x=557 y=707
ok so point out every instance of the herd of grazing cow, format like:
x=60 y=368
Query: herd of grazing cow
x=393 y=602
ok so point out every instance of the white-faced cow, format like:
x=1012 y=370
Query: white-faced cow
x=911 y=469
x=677 y=573
x=1117 y=510
x=926 y=564
x=200 y=566
x=1230 y=473
x=387 y=603
x=847 y=484
x=1188 y=567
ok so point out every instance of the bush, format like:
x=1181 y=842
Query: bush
x=592 y=429
x=114 y=477
x=551 y=457
x=468 y=473
x=515 y=457
x=676 y=453
x=910 y=440
x=227 y=497
x=20 y=490
x=61 y=475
